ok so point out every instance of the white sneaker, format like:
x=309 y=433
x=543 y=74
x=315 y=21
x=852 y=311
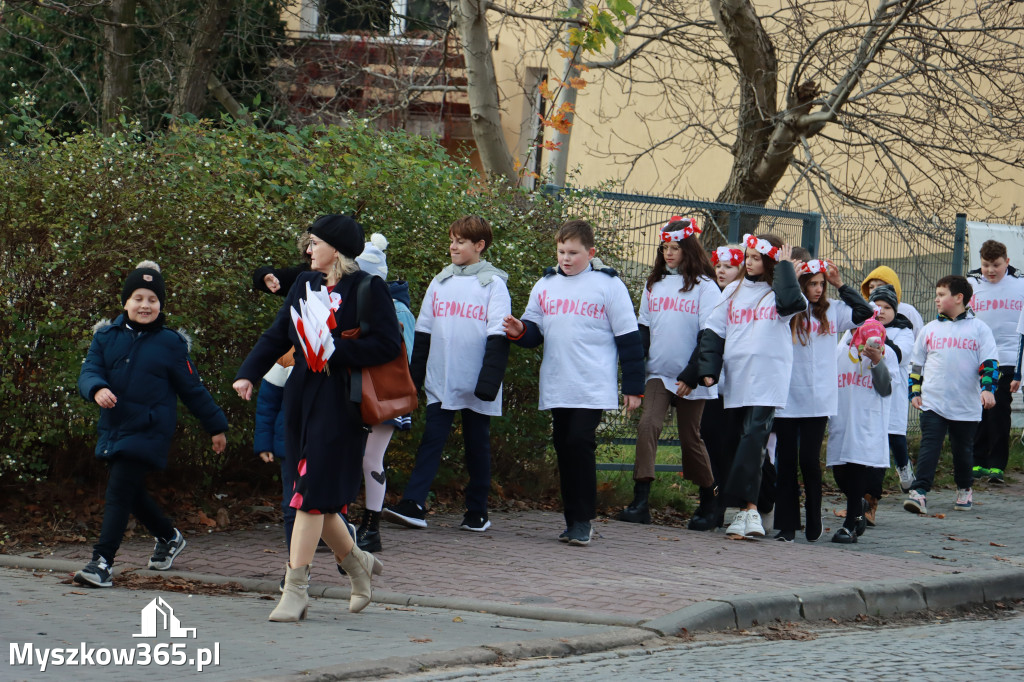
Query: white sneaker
x=906 y=474
x=754 y=528
x=738 y=527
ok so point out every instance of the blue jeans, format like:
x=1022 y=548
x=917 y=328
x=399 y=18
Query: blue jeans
x=476 y=437
x=126 y=494
x=961 y=442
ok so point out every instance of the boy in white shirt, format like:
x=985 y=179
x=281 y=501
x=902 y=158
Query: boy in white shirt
x=459 y=357
x=583 y=315
x=949 y=355
x=998 y=294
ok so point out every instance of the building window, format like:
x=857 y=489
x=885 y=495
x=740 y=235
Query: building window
x=382 y=17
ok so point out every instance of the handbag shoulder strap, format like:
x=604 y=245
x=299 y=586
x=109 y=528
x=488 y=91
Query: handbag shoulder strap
x=363 y=304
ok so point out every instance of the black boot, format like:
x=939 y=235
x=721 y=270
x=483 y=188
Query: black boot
x=706 y=515
x=638 y=510
x=368 y=534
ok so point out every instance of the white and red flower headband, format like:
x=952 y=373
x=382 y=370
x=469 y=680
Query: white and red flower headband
x=762 y=246
x=814 y=266
x=725 y=254
x=689 y=229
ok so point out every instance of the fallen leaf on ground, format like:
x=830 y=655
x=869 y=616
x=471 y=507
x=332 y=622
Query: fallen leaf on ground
x=956 y=539
x=841 y=513
x=1000 y=558
x=938 y=516
x=76 y=592
x=420 y=640
x=457 y=619
x=996 y=544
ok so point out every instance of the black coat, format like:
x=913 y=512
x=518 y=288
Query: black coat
x=322 y=425
x=147 y=371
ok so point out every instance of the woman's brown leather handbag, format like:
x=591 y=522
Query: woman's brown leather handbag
x=382 y=391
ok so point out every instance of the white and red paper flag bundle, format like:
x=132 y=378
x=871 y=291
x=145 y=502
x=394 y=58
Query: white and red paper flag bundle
x=314 y=321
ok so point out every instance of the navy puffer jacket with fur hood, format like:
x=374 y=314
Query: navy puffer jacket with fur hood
x=147 y=371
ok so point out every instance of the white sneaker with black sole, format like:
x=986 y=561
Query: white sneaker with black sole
x=164 y=552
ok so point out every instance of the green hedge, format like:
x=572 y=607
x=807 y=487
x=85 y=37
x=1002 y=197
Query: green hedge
x=209 y=204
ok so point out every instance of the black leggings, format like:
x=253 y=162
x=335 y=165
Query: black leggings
x=853 y=480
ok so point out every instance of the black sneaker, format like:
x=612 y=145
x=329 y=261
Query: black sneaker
x=564 y=536
x=164 y=552
x=786 y=536
x=580 y=533
x=97 y=573
x=406 y=513
x=475 y=521
x=845 y=536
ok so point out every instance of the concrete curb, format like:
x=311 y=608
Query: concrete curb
x=844 y=602
x=474 y=655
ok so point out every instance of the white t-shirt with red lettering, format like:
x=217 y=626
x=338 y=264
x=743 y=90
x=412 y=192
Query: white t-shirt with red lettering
x=999 y=306
x=859 y=431
x=674 y=318
x=812 y=387
x=580 y=316
x=758 y=358
x=899 y=403
x=459 y=314
x=950 y=354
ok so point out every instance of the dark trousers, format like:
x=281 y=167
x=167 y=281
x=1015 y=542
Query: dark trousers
x=853 y=480
x=126 y=495
x=798 y=443
x=755 y=425
x=713 y=431
x=476 y=438
x=573 y=431
x=961 y=442
x=992 y=440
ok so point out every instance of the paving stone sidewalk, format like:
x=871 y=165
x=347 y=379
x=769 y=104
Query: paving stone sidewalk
x=629 y=572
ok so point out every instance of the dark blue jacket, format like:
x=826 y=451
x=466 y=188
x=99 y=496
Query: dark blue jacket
x=147 y=371
x=268 y=436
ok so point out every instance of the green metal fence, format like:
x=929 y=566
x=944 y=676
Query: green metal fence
x=919 y=254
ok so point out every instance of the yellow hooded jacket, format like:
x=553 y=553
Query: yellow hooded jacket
x=887 y=275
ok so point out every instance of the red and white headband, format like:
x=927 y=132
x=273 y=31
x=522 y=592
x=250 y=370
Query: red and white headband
x=762 y=246
x=689 y=229
x=814 y=266
x=725 y=254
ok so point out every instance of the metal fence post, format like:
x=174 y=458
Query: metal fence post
x=734 y=227
x=811 y=233
x=958 y=243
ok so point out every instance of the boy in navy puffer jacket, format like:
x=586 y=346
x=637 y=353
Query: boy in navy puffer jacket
x=135 y=371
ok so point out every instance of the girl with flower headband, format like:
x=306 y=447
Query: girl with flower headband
x=710 y=514
x=813 y=393
x=748 y=341
x=677 y=299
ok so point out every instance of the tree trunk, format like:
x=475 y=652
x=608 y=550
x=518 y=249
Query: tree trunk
x=118 y=46
x=482 y=89
x=198 y=58
x=757 y=73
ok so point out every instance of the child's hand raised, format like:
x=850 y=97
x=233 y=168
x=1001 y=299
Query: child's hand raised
x=513 y=327
x=786 y=253
x=105 y=398
x=988 y=401
x=832 y=275
x=219 y=443
x=272 y=283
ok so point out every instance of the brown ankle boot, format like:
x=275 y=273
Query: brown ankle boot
x=870 y=508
